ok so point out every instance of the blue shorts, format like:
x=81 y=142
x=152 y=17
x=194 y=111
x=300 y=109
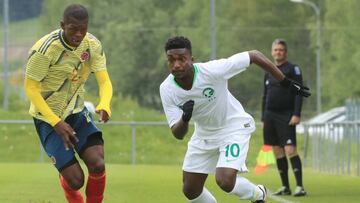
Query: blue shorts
x=84 y=126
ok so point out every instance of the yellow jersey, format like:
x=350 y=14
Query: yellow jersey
x=62 y=71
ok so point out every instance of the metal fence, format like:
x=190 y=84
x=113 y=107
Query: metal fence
x=133 y=125
x=333 y=147
x=352 y=109
x=329 y=147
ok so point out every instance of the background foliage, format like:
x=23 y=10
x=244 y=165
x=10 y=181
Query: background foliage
x=133 y=34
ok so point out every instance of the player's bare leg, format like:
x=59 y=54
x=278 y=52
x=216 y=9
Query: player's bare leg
x=72 y=179
x=94 y=159
x=194 y=190
x=230 y=182
x=225 y=178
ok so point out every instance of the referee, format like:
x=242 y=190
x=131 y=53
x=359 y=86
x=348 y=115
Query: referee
x=281 y=109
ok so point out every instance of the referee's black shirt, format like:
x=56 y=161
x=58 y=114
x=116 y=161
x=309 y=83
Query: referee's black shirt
x=280 y=99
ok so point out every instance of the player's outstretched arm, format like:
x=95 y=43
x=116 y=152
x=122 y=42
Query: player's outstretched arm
x=261 y=60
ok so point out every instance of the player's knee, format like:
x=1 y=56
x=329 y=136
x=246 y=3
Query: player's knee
x=76 y=183
x=190 y=191
x=97 y=166
x=278 y=151
x=226 y=183
x=291 y=154
x=290 y=151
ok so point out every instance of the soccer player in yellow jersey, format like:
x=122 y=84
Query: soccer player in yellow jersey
x=59 y=64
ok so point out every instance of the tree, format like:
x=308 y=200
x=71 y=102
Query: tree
x=341 y=52
x=133 y=34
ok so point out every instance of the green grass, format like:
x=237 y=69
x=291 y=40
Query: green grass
x=37 y=183
x=157 y=175
x=20 y=143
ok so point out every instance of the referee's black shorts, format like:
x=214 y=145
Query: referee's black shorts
x=277 y=131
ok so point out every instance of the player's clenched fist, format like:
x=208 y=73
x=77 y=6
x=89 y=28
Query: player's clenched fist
x=296 y=87
x=187 y=110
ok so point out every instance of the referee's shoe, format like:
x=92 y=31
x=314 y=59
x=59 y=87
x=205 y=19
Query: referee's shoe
x=283 y=191
x=299 y=191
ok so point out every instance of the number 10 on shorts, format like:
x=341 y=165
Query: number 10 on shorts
x=233 y=150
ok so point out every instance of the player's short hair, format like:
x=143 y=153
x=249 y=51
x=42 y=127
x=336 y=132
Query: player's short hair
x=280 y=41
x=77 y=11
x=178 y=42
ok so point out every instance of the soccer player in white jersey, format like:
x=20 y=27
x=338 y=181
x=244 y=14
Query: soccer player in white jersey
x=220 y=142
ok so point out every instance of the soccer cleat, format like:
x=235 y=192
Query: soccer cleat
x=283 y=191
x=264 y=194
x=299 y=191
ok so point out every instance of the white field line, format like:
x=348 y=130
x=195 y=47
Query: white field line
x=278 y=199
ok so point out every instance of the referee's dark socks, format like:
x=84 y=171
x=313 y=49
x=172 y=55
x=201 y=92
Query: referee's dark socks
x=282 y=165
x=296 y=165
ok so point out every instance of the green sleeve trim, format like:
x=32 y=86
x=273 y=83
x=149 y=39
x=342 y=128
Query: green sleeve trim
x=176 y=82
x=196 y=73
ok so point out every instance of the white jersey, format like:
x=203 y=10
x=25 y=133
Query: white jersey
x=216 y=112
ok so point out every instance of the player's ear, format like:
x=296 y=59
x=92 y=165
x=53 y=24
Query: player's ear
x=62 y=24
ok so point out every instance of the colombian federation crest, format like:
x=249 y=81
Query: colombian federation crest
x=85 y=56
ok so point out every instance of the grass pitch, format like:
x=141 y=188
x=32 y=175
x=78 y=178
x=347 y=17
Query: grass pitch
x=37 y=183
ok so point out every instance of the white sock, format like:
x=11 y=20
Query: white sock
x=204 y=197
x=244 y=189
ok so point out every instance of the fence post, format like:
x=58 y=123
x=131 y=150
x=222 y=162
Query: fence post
x=348 y=133
x=133 y=146
x=357 y=136
x=306 y=143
